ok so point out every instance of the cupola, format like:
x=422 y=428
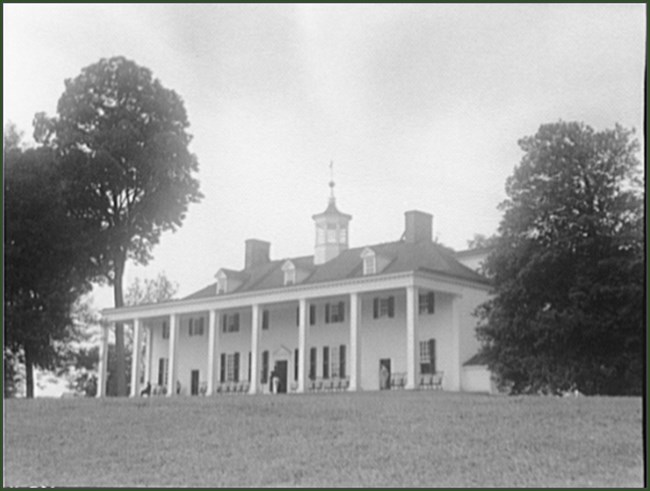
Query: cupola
x=331 y=230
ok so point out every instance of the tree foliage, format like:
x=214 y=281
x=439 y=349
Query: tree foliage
x=159 y=289
x=45 y=268
x=122 y=143
x=568 y=266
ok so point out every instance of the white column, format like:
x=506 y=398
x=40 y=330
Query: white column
x=411 y=337
x=355 y=342
x=149 y=359
x=173 y=356
x=303 y=338
x=135 y=358
x=211 y=350
x=103 y=361
x=454 y=376
x=255 y=344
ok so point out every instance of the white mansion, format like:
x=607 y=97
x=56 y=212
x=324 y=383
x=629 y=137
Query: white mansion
x=390 y=315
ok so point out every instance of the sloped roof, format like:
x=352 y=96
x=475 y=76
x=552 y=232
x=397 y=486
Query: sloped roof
x=478 y=359
x=420 y=256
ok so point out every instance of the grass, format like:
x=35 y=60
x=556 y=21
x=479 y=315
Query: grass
x=404 y=439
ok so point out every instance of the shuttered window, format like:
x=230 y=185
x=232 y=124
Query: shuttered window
x=383 y=307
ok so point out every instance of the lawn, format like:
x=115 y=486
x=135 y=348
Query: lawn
x=405 y=439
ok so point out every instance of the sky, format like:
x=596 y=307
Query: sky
x=418 y=106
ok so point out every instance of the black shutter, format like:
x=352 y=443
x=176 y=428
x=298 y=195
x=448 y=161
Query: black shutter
x=265 y=367
x=326 y=362
x=342 y=361
x=312 y=315
x=236 y=367
x=250 y=361
x=296 y=362
x=236 y=327
x=297 y=316
x=161 y=372
x=432 y=355
x=391 y=306
x=312 y=363
x=191 y=327
x=222 y=368
x=327 y=313
x=375 y=308
x=224 y=324
x=341 y=311
x=431 y=301
x=265 y=319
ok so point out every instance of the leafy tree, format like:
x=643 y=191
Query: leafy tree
x=121 y=140
x=45 y=269
x=568 y=266
x=480 y=241
x=159 y=289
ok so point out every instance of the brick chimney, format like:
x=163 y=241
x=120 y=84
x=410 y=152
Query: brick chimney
x=419 y=226
x=257 y=253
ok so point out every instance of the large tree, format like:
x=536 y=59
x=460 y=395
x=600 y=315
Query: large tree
x=568 y=267
x=45 y=269
x=121 y=140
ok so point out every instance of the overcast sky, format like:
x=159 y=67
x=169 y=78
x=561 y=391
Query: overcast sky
x=419 y=106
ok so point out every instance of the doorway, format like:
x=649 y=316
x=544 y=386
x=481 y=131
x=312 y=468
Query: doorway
x=280 y=369
x=194 y=386
x=384 y=374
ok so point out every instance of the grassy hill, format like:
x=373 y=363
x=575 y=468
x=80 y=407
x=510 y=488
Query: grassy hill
x=431 y=439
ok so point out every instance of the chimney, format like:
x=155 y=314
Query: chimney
x=419 y=226
x=257 y=253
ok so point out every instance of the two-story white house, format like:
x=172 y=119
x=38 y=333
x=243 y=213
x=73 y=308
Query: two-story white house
x=382 y=316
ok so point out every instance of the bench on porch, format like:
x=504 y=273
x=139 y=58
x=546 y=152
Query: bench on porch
x=397 y=380
x=431 y=381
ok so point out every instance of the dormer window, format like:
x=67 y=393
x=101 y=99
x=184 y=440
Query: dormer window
x=369 y=261
x=222 y=283
x=289 y=270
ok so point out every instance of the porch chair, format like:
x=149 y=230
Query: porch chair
x=436 y=380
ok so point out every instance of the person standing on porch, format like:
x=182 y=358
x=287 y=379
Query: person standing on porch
x=275 y=381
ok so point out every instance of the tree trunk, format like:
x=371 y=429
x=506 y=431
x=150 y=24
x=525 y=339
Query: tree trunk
x=29 y=373
x=120 y=366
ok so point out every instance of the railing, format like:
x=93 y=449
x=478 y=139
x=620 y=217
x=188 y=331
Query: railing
x=328 y=385
x=232 y=388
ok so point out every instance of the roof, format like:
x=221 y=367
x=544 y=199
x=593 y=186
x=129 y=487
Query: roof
x=332 y=210
x=404 y=256
x=474 y=252
x=479 y=359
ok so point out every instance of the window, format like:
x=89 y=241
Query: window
x=312 y=315
x=331 y=234
x=265 y=320
x=428 y=356
x=334 y=312
x=222 y=368
x=426 y=303
x=230 y=322
x=342 y=361
x=290 y=276
x=221 y=284
x=232 y=367
x=163 y=371
x=196 y=326
x=296 y=364
x=312 y=364
x=265 y=367
x=334 y=362
x=326 y=362
x=383 y=307
x=165 y=330
x=369 y=261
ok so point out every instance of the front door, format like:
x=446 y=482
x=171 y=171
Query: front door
x=194 y=387
x=281 y=372
x=384 y=374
